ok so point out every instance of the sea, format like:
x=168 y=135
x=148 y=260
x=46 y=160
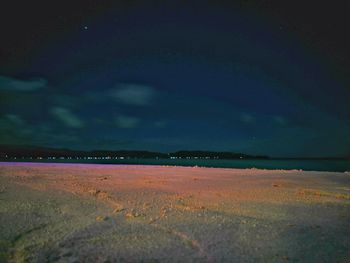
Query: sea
x=330 y=165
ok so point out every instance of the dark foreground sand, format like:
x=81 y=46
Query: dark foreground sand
x=126 y=213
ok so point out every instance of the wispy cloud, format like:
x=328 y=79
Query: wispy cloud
x=247 y=118
x=12 y=84
x=14 y=119
x=133 y=94
x=160 y=124
x=14 y=130
x=67 y=117
x=40 y=134
x=279 y=120
x=123 y=121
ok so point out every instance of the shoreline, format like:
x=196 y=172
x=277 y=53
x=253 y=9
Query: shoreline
x=174 y=165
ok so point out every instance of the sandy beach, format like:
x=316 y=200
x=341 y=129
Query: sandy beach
x=137 y=213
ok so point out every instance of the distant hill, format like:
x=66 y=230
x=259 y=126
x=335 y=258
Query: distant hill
x=215 y=155
x=11 y=151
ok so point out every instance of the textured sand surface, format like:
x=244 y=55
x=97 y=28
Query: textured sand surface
x=126 y=213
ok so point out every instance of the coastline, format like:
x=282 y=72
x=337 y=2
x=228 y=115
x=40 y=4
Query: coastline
x=321 y=165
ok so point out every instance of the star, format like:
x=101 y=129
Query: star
x=85 y=28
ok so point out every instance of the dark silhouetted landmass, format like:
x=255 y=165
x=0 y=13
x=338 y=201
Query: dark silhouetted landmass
x=216 y=155
x=10 y=152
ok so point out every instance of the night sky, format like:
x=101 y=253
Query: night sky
x=258 y=77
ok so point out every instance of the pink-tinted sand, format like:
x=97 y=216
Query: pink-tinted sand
x=128 y=213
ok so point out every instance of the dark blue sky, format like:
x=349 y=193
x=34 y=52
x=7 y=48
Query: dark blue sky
x=255 y=77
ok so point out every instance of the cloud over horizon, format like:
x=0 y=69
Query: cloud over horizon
x=247 y=118
x=133 y=94
x=123 y=121
x=67 y=117
x=13 y=84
